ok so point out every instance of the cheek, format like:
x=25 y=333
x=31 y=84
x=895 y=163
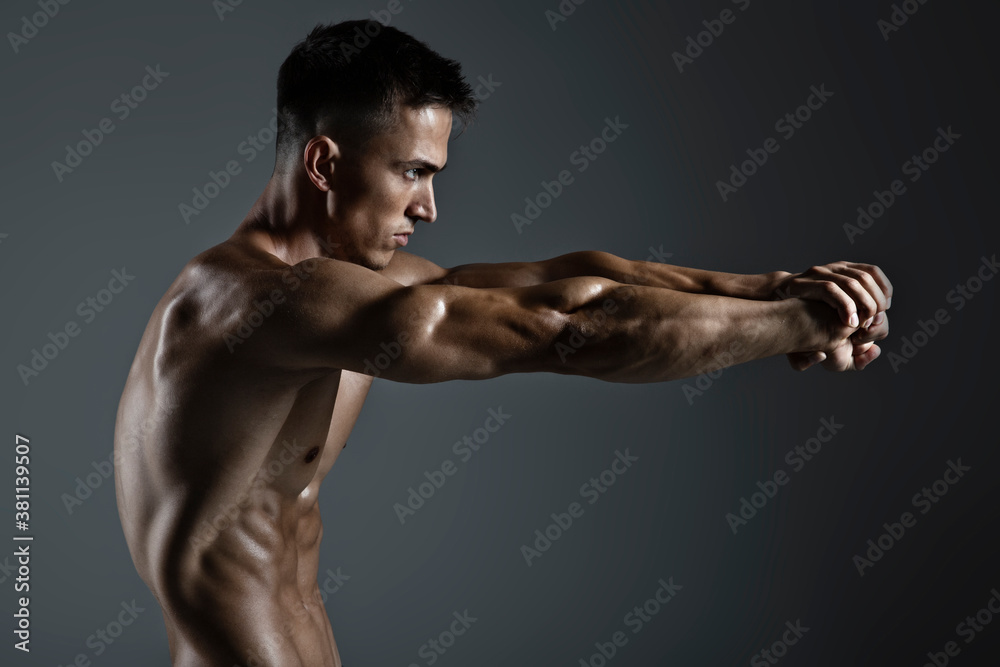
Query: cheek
x=375 y=204
x=390 y=202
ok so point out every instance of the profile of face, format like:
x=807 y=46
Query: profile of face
x=377 y=193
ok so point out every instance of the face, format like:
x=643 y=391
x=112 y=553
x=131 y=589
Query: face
x=379 y=193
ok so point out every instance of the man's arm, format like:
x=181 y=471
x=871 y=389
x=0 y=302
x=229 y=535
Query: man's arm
x=595 y=263
x=348 y=317
x=861 y=290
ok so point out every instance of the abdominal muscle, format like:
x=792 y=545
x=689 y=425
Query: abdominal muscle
x=248 y=595
x=229 y=540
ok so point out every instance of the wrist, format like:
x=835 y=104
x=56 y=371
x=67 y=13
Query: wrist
x=757 y=286
x=800 y=321
x=772 y=285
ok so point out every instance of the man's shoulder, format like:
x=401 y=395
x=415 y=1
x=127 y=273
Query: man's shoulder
x=230 y=260
x=211 y=288
x=408 y=269
x=250 y=300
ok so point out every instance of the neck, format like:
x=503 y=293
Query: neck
x=284 y=220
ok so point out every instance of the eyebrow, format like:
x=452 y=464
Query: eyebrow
x=424 y=164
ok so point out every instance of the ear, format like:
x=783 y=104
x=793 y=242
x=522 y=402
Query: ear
x=319 y=156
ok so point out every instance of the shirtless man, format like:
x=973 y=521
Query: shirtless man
x=255 y=363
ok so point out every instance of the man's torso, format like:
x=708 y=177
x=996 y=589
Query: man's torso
x=219 y=457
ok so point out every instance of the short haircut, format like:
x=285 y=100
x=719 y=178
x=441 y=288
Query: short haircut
x=349 y=79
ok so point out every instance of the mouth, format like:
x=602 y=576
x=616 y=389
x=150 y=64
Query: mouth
x=403 y=238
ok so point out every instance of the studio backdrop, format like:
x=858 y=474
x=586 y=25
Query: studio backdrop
x=752 y=516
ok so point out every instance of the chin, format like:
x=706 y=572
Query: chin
x=373 y=260
x=376 y=265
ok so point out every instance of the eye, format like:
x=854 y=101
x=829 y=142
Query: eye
x=412 y=173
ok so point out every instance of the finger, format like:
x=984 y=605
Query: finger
x=879 y=277
x=871 y=354
x=878 y=330
x=860 y=348
x=840 y=359
x=870 y=285
x=816 y=358
x=831 y=294
x=865 y=304
x=800 y=361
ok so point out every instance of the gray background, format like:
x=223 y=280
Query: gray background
x=655 y=186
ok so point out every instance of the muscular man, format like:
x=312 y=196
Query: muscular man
x=255 y=363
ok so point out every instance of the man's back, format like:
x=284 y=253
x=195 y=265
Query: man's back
x=218 y=464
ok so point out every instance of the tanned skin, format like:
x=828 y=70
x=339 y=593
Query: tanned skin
x=235 y=410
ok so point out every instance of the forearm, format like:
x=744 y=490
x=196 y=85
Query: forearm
x=657 y=274
x=633 y=333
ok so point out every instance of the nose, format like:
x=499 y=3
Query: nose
x=423 y=206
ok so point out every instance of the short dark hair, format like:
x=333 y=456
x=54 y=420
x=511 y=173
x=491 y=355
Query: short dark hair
x=350 y=78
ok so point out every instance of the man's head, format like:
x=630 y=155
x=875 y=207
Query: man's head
x=365 y=113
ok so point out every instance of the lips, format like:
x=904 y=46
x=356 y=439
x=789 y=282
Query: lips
x=403 y=238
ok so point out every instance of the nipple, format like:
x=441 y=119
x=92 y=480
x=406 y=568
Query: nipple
x=313 y=453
